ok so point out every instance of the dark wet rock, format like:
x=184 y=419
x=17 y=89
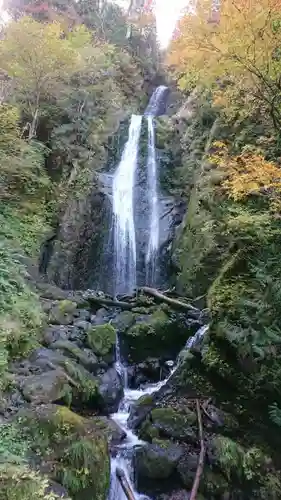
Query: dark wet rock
x=187 y=467
x=22 y=367
x=123 y=320
x=114 y=432
x=101 y=317
x=62 y=312
x=86 y=357
x=54 y=333
x=175 y=424
x=46 y=304
x=51 y=292
x=45 y=359
x=177 y=495
x=157 y=461
x=140 y=410
x=11 y=402
x=110 y=390
x=82 y=324
x=56 y=490
x=44 y=388
x=149 y=371
x=82 y=314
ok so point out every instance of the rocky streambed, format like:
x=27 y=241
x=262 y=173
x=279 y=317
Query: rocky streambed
x=56 y=408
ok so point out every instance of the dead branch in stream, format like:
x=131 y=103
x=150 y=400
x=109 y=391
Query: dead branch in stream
x=112 y=303
x=193 y=312
x=174 y=303
x=200 y=466
x=121 y=476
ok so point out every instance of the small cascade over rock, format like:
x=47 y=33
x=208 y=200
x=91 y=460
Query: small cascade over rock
x=125 y=417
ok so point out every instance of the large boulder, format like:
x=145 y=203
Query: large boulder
x=62 y=312
x=44 y=388
x=73 y=450
x=175 y=424
x=84 y=385
x=102 y=339
x=123 y=320
x=159 y=334
x=140 y=410
x=84 y=356
x=157 y=461
x=110 y=390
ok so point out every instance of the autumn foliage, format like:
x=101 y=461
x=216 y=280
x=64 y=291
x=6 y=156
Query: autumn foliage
x=246 y=174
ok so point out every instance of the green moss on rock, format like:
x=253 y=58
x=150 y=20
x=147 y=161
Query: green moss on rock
x=20 y=482
x=157 y=461
x=175 y=424
x=74 y=446
x=155 y=335
x=123 y=321
x=62 y=312
x=101 y=339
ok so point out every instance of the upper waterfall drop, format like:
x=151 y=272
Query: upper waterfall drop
x=152 y=188
x=157 y=101
x=153 y=109
x=123 y=211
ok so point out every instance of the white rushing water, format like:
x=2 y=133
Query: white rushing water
x=155 y=101
x=123 y=197
x=152 y=187
x=153 y=242
x=124 y=456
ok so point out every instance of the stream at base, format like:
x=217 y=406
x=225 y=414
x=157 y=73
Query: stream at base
x=123 y=458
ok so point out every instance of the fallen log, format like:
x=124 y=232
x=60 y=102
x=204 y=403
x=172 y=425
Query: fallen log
x=192 y=311
x=121 y=476
x=111 y=303
x=174 y=303
x=200 y=466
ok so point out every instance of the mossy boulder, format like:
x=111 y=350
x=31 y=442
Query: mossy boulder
x=214 y=484
x=62 y=312
x=73 y=448
x=45 y=388
x=123 y=321
x=20 y=482
x=158 y=335
x=157 y=461
x=102 y=339
x=110 y=390
x=140 y=410
x=178 y=425
x=85 y=357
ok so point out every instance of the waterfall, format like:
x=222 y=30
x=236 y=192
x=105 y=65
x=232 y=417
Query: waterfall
x=153 y=242
x=126 y=223
x=156 y=102
x=152 y=110
x=124 y=227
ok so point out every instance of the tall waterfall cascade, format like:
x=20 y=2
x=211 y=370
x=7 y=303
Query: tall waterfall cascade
x=124 y=228
x=123 y=194
x=152 y=189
